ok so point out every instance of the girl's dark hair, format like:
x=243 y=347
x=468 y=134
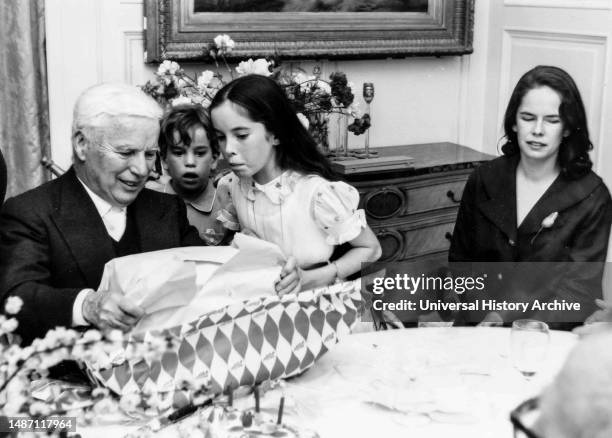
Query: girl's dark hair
x=180 y=119
x=573 y=152
x=265 y=102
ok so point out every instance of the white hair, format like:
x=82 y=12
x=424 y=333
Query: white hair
x=97 y=106
x=578 y=404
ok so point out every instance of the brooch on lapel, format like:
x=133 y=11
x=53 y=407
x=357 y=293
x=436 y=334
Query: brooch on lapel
x=547 y=222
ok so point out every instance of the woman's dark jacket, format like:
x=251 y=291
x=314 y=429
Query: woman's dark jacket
x=577 y=240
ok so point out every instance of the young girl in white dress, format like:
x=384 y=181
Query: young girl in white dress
x=281 y=188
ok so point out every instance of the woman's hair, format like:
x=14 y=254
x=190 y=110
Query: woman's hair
x=265 y=102
x=573 y=152
x=181 y=119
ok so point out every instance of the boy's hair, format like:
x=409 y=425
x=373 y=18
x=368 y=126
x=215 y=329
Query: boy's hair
x=265 y=102
x=180 y=119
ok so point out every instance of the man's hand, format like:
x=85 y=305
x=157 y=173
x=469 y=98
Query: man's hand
x=108 y=310
x=289 y=281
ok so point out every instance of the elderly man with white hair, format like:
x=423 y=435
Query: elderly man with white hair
x=578 y=404
x=56 y=238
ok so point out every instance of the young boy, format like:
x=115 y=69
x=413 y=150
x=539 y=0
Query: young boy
x=189 y=155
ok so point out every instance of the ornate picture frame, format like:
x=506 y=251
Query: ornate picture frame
x=174 y=31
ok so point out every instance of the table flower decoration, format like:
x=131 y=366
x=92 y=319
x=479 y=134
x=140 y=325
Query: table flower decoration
x=27 y=392
x=159 y=377
x=314 y=98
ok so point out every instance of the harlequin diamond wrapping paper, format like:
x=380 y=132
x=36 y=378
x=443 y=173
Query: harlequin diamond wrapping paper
x=245 y=344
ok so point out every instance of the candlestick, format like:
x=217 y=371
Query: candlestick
x=368 y=92
x=368 y=97
x=256 y=392
x=279 y=421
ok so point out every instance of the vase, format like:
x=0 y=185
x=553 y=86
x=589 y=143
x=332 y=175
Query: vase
x=338 y=135
x=318 y=129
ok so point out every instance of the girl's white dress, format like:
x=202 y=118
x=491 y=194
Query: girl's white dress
x=305 y=215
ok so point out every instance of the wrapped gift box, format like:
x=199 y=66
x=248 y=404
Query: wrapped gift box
x=248 y=343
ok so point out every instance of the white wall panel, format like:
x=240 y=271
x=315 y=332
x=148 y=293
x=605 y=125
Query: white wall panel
x=417 y=99
x=583 y=56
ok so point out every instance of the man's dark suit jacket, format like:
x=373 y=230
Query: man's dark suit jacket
x=486 y=231
x=3 y=178
x=53 y=244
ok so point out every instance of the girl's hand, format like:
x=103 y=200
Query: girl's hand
x=289 y=281
x=602 y=315
x=599 y=321
x=492 y=319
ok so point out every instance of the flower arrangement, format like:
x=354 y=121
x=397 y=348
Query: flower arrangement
x=313 y=98
x=22 y=369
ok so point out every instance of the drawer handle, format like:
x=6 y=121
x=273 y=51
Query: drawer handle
x=448 y=236
x=451 y=195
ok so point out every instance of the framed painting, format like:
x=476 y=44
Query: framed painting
x=309 y=29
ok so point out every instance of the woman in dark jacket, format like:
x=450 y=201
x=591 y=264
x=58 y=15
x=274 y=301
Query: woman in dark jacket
x=539 y=202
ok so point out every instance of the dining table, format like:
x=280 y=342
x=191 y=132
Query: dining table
x=422 y=382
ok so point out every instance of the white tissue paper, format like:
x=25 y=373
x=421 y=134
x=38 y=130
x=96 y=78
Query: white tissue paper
x=177 y=285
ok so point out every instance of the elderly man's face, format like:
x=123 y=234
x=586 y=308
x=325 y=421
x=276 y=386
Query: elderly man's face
x=118 y=160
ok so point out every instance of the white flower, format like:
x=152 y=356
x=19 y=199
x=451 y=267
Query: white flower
x=324 y=86
x=14 y=402
x=39 y=408
x=9 y=325
x=26 y=352
x=104 y=406
x=65 y=336
x=101 y=360
x=168 y=67
x=99 y=392
x=129 y=402
x=91 y=336
x=204 y=79
x=549 y=220
x=258 y=67
x=224 y=43
x=181 y=100
x=154 y=424
x=115 y=335
x=305 y=82
x=303 y=120
x=13 y=305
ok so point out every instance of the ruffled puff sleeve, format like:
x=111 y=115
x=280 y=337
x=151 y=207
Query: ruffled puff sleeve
x=227 y=213
x=335 y=211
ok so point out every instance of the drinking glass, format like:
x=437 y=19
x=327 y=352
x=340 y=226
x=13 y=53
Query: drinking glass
x=529 y=341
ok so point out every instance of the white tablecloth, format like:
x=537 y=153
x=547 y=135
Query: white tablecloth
x=429 y=382
x=435 y=382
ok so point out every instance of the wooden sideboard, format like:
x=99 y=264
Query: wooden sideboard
x=413 y=210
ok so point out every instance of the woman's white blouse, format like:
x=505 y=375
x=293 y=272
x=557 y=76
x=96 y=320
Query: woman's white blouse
x=305 y=215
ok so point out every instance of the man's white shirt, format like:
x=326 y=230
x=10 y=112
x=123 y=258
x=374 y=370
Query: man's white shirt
x=114 y=219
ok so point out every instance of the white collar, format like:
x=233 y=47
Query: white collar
x=102 y=205
x=275 y=190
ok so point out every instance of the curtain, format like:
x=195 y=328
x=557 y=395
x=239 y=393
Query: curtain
x=24 y=104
